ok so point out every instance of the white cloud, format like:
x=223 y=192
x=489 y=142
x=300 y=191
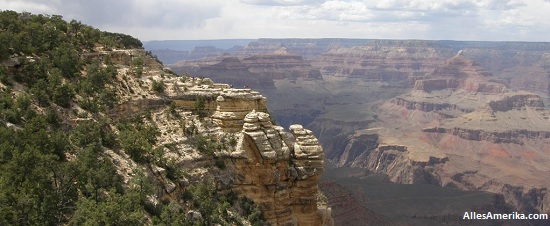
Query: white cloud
x=218 y=19
x=281 y=2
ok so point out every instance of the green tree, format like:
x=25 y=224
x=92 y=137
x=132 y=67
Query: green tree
x=5 y=44
x=116 y=209
x=199 y=106
x=66 y=58
x=63 y=95
x=40 y=91
x=137 y=139
x=96 y=173
x=34 y=185
x=172 y=215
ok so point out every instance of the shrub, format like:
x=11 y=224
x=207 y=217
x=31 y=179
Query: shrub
x=137 y=66
x=158 y=86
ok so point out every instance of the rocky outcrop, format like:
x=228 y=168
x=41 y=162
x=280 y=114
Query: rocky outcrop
x=514 y=136
x=428 y=85
x=517 y=101
x=534 y=200
x=394 y=161
x=426 y=106
x=233 y=105
x=277 y=174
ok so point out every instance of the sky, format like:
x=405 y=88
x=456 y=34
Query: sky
x=480 y=20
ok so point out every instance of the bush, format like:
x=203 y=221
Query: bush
x=220 y=163
x=158 y=86
x=138 y=66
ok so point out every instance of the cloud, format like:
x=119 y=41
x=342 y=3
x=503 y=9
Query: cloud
x=394 y=10
x=123 y=13
x=282 y=2
x=220 y=19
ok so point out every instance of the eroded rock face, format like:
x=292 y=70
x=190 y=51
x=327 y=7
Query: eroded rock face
x=459 y=72
x=396 y=162
x=383 y=60
x=517 y=102
x=425 y=105
x=427 y=85
x=278 y=174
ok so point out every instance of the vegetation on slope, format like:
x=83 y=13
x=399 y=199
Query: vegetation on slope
x=57 y=138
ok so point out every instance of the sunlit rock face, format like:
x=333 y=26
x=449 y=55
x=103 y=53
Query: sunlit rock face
x=279 y=174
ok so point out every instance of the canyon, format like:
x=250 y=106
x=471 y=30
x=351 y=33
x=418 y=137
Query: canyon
x=465 y=115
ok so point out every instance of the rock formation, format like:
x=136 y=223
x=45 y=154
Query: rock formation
x=265 y=165
x=276 y=172
x=459 y=72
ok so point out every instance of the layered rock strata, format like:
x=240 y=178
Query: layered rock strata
x=459 y=72
x=401 y=165
x=258 y=71
x=510 y=119
x=383 y=60
x=426 y=106
x=277 y=174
